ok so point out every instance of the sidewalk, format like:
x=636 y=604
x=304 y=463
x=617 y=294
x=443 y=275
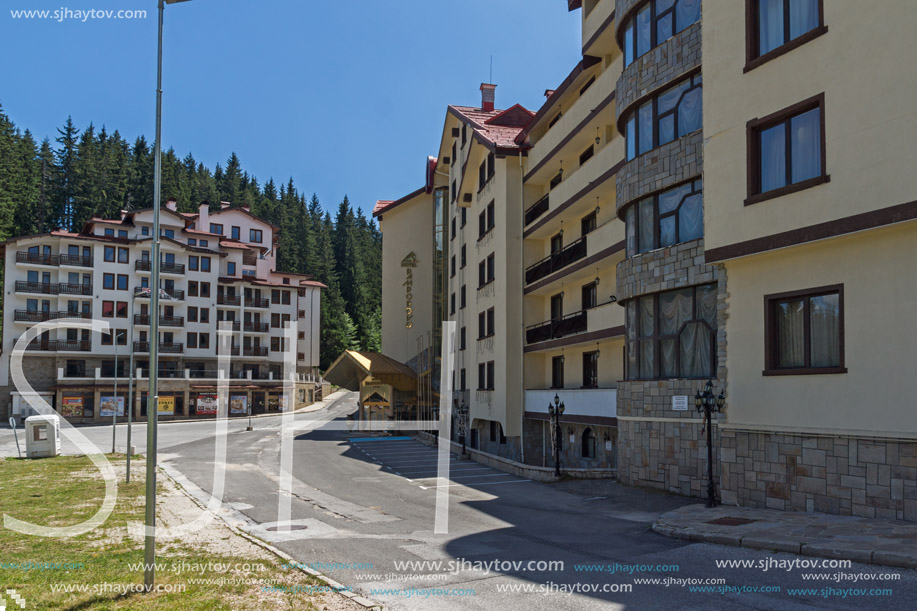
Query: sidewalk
x=810 y=534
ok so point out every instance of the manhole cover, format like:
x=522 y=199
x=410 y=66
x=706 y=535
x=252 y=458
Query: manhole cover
x=731 y=521
x=286 y=528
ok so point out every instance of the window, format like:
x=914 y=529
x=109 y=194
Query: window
x=123 y=255
x=464 y=258
x=557 y=372
x=452 y=266
x=464 y=134
x=109 y=254
x=169 y=233
x=490 y=375
x=452 y=160
x=491 y=265
x=275 y=320
x=671 y=114
x=216 y=228
x=452 y=303
x=464 y=216
x=205 y=264
x=76 y=369
x=590 y=296
x=107 y=338
x=672 y=334
x=193 y=263
x=192 y=340
x=235 y=233
x=787 y=150
x=203 y=341
x=144 y=230
x=122 y=282
x=192 y=242
x=587 y=154
x=482 y=325
x=453 y=229
x=670 y=217
x=108 y=309
x=462 y=343
x=482 y=376
x=774 y=27
x=486 y=171
x=122 y=233
x=487 y=220
x=121 y=309
x=230 y=268
x=490 y=321
x=482 y=274
x=285 y=297
x=192 y=314
x=804 y=332
x=591 y=369
x=205 y=289
x=205 y=315
x=275 y=296
x=463 y=301
x=192 y=288
x=109 y=233
x=255 y=235
x=655 y=23
x=588 y=223
x=463 y=380
x=204 y=243
x=588 y=443
x=108 y=281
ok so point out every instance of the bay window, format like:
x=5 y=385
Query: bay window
x=670 y=217
x=671 y=114
x=656 y=22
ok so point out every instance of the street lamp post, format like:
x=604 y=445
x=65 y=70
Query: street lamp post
x=114 y=416
x=152 y=414
x=556 y=410
x=709 y=402
x=463 y=425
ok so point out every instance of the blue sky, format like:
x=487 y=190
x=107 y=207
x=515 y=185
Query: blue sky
x=342 y=96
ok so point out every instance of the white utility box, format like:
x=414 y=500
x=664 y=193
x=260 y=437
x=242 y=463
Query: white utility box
x=42 y=436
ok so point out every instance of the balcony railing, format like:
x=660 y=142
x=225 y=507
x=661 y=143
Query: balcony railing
x=257 y=302
x=210 y=374
x=557 y=328
x=145 y=265
x=164 y=373
x=76 y=260
x=536 y=210
x=230 y=300
x=559 y=260
x=73 y=345
x=37 y=316
x=144 y=292
x=37 y=258
x=249 y=351
x=165 y=321
x=45 y=288
x=164 y=347
x=251 y=327
x=249 y=260
x=75 y=289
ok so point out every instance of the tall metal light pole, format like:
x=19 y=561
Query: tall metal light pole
x=114 y=416
x=709 y=402
x=152 y=408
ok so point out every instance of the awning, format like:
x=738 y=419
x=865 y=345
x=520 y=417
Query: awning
x=352 y=368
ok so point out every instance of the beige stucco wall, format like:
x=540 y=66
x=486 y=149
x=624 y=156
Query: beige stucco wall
x=865 y=64
x=407 y=228
x=880 y=299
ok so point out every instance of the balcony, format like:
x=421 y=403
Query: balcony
x=143 y=292
x=43 y=288
x=230 y=300
x=537 y=209
x=64 y=345
x=76 y=260
x=37 y=258
x=75 y=289
x=557 y=261
x=251 y=327
x=257 y=302
x=250 y=260
x=36 y=316
x=253 y=351
x=145 y=265
x=164 y=347
x=143 y=320
x=557 y=327
x=600 y=402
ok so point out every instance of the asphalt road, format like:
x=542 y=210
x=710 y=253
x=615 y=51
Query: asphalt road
x=360 y=506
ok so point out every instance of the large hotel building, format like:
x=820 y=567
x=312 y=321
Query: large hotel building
x=218 y=265
x=718 y=191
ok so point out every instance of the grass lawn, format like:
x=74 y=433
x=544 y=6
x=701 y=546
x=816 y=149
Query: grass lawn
x=68 y=490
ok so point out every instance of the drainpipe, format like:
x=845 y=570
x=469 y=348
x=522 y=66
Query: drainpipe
x=522 y=322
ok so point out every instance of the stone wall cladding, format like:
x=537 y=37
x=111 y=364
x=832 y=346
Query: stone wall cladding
x=829 y=474
x=657 y=68
x=664 y=269
x=664 y=166
x=538 y=451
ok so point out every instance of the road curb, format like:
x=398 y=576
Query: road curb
x=334 y=585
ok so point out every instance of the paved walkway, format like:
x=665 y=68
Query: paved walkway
x=810 y=534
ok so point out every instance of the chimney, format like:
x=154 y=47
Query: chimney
x=203 y=217
x=548 y=93
x=172 y=204
x=487 y=97
x=224 y=205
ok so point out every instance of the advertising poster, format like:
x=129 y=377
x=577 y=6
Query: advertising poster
x=166 y=406
x=71 y=406
x=238 y=404
x=276 y=403
x=108 y=406
x=207 y=404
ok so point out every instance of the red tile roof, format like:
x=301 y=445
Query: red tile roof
x=498 y=128
x=381 y=206
x=384 y=205
x=232 y=244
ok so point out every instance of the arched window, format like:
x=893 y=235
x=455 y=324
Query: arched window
x=588 y=444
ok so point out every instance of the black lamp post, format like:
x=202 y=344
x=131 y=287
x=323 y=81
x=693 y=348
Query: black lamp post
x=556 y=410
x=709 y=402
x=463 y=424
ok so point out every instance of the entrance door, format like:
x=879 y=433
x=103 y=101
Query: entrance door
x=257 y=402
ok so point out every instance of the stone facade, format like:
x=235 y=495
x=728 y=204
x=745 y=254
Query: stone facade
x=654 y=70
x=538 y=451
x=866 y=477
x=660 y=168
